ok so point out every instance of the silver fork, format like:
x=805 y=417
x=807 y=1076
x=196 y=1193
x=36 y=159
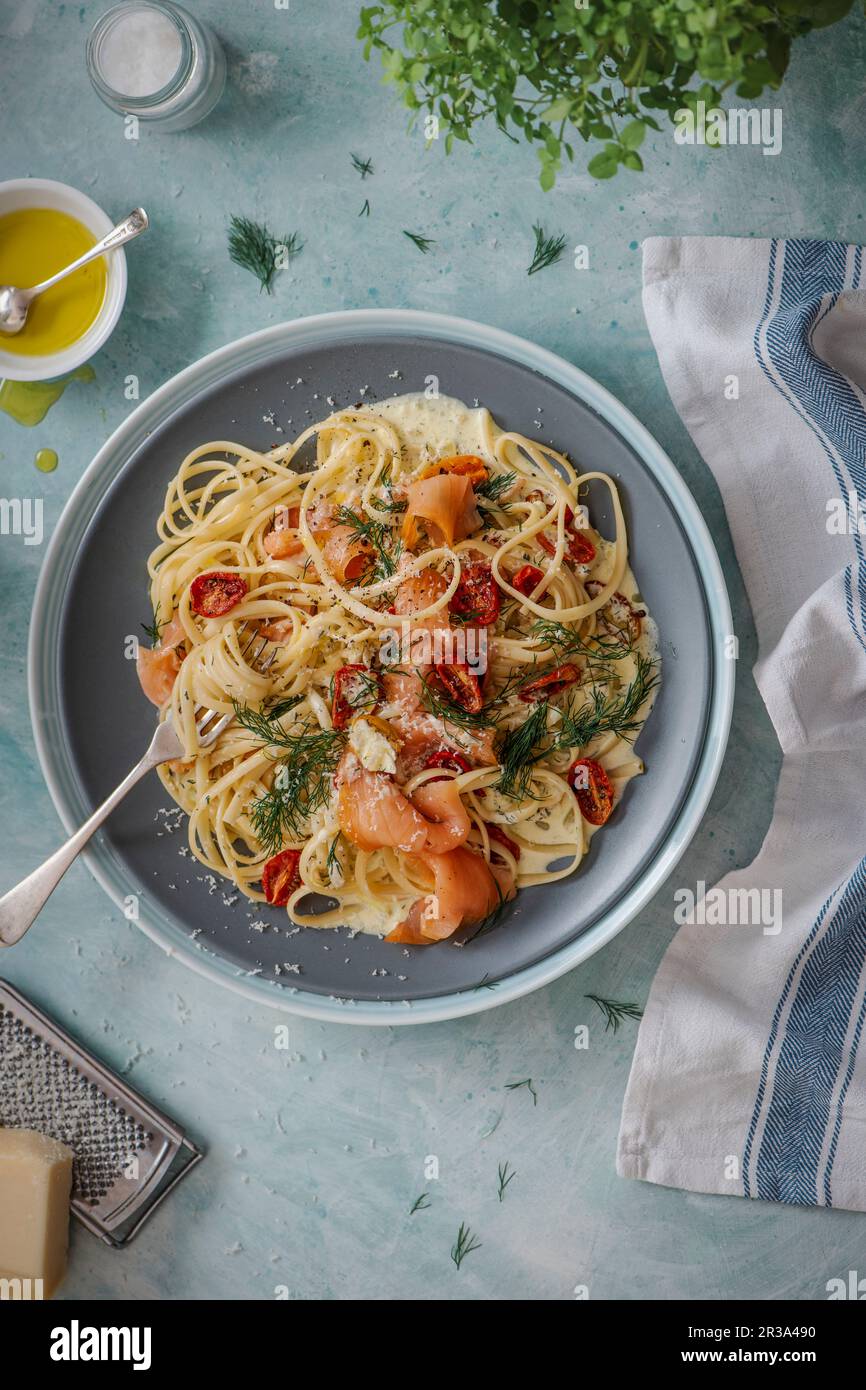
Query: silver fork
x=20 y=907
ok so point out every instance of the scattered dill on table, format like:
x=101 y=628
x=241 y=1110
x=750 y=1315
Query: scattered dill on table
x=504 y=1178
x=615 y=1011
x=254 y=247
x=362 y=166
x=420 y=1204
x=516 y=1086
x=465 y=1243
x=548 y=250
x=365 y=210
x=422 y=242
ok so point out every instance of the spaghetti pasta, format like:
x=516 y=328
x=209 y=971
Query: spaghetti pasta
x=457 y=665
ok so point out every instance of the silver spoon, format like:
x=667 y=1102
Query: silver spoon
x=15 y=303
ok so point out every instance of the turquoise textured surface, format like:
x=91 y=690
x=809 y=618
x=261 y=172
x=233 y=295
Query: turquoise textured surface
x=318 y=1149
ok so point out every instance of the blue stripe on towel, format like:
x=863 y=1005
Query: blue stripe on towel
x=808 y=1041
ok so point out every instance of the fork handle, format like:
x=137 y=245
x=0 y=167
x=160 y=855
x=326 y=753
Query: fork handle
x=20 y=907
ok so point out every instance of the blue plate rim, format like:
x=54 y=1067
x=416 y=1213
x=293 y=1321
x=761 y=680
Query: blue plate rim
x=315 y=330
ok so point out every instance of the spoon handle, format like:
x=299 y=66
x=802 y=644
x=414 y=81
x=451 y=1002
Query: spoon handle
x=131 y=226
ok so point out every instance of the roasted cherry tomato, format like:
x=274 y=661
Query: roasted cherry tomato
x=281 y=876
x=356 y=689
x=477 y=598
x=551 y=684
x=527 y=578
x=212 y=595
x=467 y=465
x=580 y=549
x=461 y=686
x=495 y=832
x=447 y=757
x=591 y=785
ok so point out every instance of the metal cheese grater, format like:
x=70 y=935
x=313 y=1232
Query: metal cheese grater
x=128 y=1156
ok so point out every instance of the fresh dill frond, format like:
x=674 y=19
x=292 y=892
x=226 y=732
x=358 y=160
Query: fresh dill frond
x=609 y=714
x=378 y=536
x=284 y=706
x=504 y=1178
x=615 y=1012
x=521 y=749
x=362 y=166
x=333 y=860
x=494 y=486
x=517 y=1085
x=420 y=1204
x=548 y=250
x=422 y=242
x=465 y=1243
x=365 y=210
x=390 y=503
x=254 y=247
x=154 y=629
x=302 y=784
x=564 y=641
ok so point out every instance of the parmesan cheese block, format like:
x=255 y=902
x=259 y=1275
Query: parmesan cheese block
x=35 y=1183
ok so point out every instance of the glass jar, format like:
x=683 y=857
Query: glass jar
x=153 y=60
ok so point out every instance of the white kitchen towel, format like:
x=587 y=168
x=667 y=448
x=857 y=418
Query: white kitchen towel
x=746 y=1077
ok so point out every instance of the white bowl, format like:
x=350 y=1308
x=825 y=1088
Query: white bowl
x=17 y=194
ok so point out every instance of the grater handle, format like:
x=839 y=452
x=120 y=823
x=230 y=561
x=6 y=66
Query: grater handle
x=20 y=907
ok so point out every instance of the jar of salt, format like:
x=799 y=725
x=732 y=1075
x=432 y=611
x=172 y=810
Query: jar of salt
x=153 y=60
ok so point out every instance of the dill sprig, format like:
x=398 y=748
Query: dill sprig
x=309 y=756
x=365 y=210
x=609 y=714
x=517 y=1085
x=521 y=749
x=154 y=629
x=254 y=247
x=504 y=1178
x=422 y=242
x=615 y=1012
x=565 y=641
x=420 y=1204
x=363 y=166
x=378 y=536
x=389 y=503
x=494 y=485
x=333 y=860
x=548 y=250
x=465 y=1243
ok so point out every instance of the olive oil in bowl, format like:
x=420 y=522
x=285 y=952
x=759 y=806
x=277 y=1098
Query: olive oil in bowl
x=34 y=244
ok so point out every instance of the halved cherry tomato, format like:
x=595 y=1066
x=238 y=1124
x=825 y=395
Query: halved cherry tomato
x=527 y=578
x=281 y=876
x=477 y=598
x=212 y=595
x=467 y=465
x=447 y=757
x=495 y=832
x=356 y=689
x=551 y=684
x=461 y=686
x=580 y=550
x=591 y=785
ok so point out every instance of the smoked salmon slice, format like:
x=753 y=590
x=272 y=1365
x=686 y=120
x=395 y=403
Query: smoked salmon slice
x=346 y=553
x=374 y=813
x=465 y=890
x=446 y=504
x=157 y=667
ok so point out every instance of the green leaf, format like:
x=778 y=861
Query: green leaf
x=632 y=136
x=603 y=165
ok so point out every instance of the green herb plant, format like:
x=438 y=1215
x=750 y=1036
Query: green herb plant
x=553 y=71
